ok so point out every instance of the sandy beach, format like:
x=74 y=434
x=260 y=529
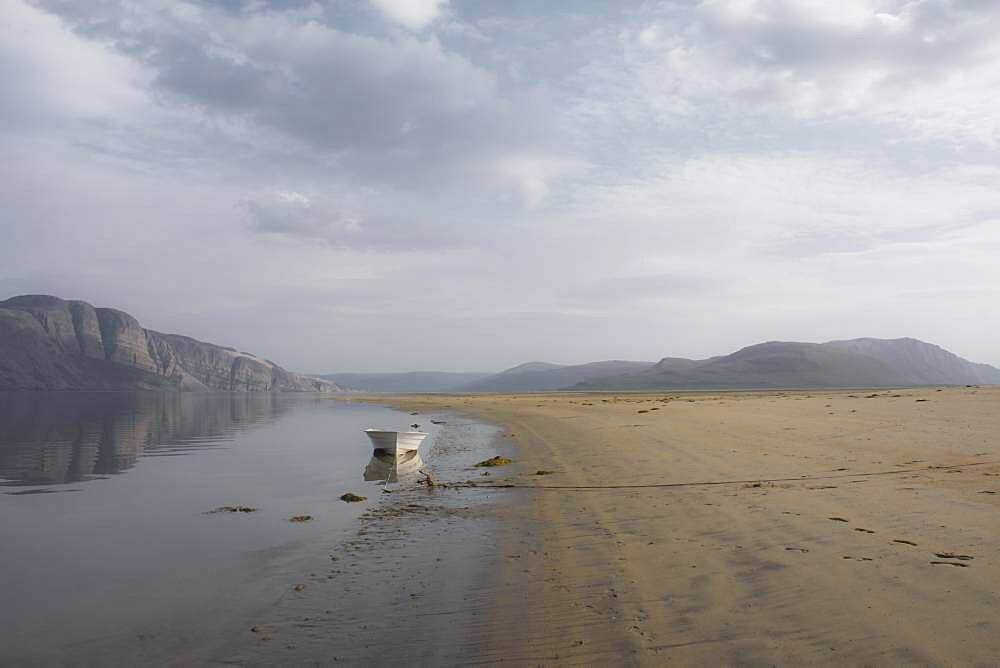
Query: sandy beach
x=847 y=527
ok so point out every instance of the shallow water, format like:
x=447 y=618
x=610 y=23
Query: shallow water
x=107 y=549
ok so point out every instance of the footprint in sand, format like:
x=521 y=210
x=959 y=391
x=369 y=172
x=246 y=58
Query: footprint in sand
x=797 y=549
x=949 y=563
x=858 y=558
x=837 y=519
x=863 y=530
x=904 y=542
x=952 y=555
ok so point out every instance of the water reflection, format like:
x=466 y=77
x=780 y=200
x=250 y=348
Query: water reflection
x=52 y=437
x=390 y=467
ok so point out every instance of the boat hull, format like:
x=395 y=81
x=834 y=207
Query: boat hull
x=395 y=442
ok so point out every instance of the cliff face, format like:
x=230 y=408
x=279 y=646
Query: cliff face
x=47 y=343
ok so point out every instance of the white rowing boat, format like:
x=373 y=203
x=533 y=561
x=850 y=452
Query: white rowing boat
x=395 y=442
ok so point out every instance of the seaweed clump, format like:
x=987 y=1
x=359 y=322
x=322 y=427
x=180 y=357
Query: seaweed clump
x=353 y=498
x=495 y=461
x=233 y=509
x=300 y=518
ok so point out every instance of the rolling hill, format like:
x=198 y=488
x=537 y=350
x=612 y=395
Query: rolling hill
x=855 y=363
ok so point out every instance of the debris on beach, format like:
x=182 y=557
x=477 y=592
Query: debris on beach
x=428 y=480
x=350 y=497
x=232 y=509
x=415 y=425
x=438 y=422
x=543 y=472
x=300 y=518
x=495 y=461
x=299 y=587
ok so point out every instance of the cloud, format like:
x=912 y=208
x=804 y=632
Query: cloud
x=414 y=14
x=913 y=70
x=284 y=70
x=48 y=76
x=518 y=181
x=348 y=222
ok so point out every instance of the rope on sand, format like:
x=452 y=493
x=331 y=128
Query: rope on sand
x=706 y=483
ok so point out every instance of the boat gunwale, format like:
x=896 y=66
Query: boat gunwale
x=371 y=430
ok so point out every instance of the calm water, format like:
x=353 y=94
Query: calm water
x=103 y=497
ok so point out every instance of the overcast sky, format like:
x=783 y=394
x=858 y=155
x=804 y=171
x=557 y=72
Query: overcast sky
x=464 y=184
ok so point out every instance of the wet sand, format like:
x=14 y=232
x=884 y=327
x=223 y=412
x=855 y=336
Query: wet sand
x=413 y=584
x=738 y=528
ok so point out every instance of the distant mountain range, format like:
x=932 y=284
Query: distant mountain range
x=409 y=381
x=528 y=377
x=47 y=343
x=539 y=376
x=776 y=364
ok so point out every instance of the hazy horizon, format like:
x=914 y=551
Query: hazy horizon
x=442 y=185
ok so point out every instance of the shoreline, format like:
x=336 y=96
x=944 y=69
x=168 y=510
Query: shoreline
x=876 y=565
x=409 y=585
x=836 y=527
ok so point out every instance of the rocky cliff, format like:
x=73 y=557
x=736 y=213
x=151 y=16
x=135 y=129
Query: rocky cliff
x=47 y=343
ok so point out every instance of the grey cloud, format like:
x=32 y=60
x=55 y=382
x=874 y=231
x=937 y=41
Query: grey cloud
x=774 y=58
x=520 y=180
x=293 y=217
x=780 y=34
x=408 y=100
x=395 y=110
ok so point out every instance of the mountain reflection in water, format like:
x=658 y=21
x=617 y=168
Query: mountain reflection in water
x=63 y=437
